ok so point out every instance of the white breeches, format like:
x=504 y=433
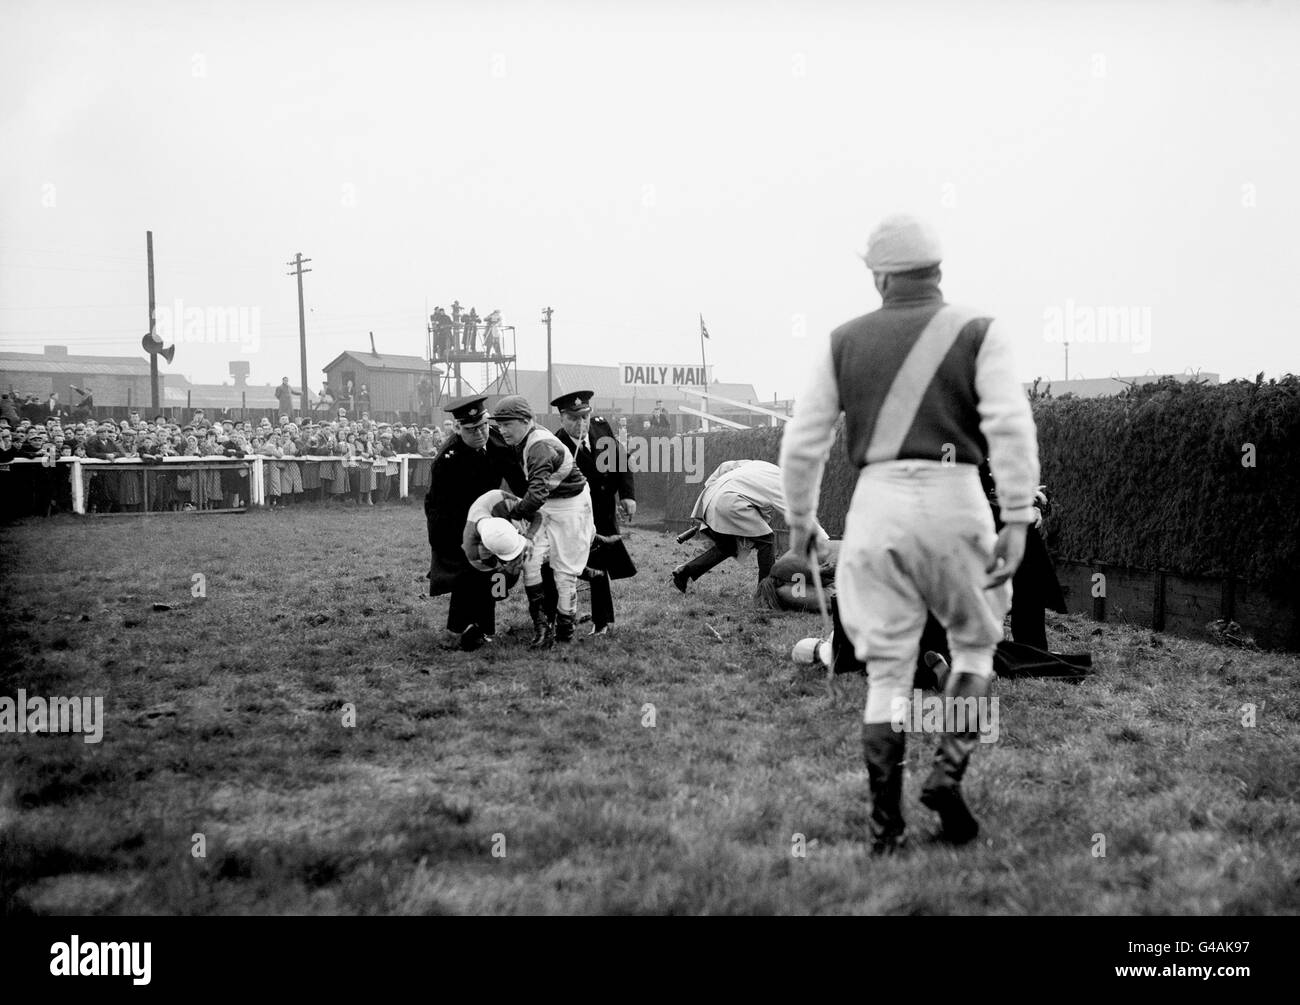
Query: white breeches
x=919 y=536
x=564 y=539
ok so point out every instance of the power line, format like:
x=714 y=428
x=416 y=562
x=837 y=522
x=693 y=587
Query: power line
x=75 y=307
x=63 y=268
x=179 y=262
x=53 y=251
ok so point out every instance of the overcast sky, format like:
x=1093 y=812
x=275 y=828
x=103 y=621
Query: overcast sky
x=636 y=164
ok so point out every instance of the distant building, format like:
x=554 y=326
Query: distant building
x=610 y=397
x=115 y=380
x=123 y=381
x=179 y=393
x=393 y=381
x=1101 y=387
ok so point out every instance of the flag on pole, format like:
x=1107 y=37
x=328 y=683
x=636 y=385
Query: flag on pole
x=704 y=332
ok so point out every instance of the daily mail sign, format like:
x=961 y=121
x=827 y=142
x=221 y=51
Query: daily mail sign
x=662 y=375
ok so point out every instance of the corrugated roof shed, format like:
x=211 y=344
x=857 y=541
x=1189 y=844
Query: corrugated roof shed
x=80 y=366
x=383 y=361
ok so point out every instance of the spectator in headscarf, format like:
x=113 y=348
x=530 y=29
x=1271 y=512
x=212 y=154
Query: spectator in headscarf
x=492 y=338
x=291 y=484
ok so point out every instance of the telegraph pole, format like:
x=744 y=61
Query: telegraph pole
x=153 y=356
x=704 y=376
x=550 y=391
x=298 y=263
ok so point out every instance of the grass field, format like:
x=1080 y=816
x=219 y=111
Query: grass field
x=224 y=718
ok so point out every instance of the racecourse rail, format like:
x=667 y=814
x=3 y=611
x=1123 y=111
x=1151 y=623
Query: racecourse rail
x=412 y=471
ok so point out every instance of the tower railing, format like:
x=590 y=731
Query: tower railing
x=470 y=366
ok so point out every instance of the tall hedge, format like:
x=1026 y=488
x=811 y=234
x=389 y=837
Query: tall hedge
x=1189 y=478
x=1202 y=480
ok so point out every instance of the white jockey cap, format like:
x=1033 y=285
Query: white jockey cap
x=500 y=537
x=901 y=243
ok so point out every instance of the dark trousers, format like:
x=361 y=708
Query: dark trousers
x=933 y=639
x=726 y=546
x=472 y=603
x=602 y=599
x=1028 y=621
x=1010 y=659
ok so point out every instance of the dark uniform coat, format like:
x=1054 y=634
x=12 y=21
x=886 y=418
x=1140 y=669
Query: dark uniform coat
x=606 y=485
x=1035 y=584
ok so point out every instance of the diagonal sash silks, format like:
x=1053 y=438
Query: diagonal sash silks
x=912 y=380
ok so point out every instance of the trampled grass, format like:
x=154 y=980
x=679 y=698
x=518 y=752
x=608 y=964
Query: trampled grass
x=224 y=719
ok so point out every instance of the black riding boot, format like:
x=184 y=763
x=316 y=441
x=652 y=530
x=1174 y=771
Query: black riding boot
x=543 y=634
x=883 y=748
x=942 y=789
x=683 y=575
x=564 y=623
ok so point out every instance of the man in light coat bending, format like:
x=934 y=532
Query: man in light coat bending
x=928 y=390
x=734 y=511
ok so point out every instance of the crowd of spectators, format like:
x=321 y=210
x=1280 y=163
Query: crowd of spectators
x=350 y=400
x=355 y=449
x=350 y=476
x=16 y=407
